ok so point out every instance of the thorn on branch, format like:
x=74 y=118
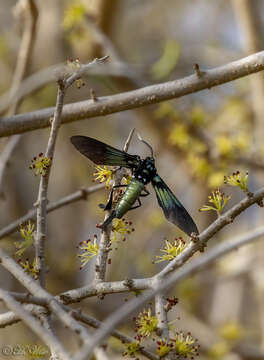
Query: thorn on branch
x=93 y=96
x=194 y=237
x=84 y=194
x=197 y=70
x=202 y=246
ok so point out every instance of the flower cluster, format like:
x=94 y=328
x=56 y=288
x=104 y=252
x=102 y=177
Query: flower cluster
x=237 y=179
x=163 y=347
x=218 y=199
x=185 y=345
x=120 y=228
x=27 y=232
x=103 y=174
x=89 y=250
x=182 y=345
x=40 y=164
x=132 y=348
x=31 y=269
x=171 y=250
x=146 y=324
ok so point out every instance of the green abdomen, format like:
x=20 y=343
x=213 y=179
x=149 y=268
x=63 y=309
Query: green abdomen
x=130 y=196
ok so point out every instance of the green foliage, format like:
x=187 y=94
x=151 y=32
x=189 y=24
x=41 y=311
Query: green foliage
x=27 y=232
x=169 y=59
x=218 y=199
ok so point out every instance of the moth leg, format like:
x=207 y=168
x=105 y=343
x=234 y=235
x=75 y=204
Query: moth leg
x=146 y=193
x=136 y=206
x=109 y=204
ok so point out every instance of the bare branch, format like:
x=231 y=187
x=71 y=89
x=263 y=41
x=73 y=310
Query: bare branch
x=78 y=195
x=33 y=287
x=42 y=200
x=34 y=324
x=133 y=99
x=161 y=315
x=101 y=259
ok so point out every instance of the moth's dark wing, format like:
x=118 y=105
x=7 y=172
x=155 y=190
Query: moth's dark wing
x=172 y=208
x=103 y=154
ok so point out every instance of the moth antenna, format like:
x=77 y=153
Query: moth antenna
x=150 y=148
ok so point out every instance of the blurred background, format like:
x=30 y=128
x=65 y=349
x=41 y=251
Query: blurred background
x=196 y=139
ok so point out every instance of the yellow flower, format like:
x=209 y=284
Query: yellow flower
x=103 y=174
x=40 y=164
x=73 y=14
x=27 y=232
x=164 y=347
x=179 y=136
x=171 y=250
x=146 y=323
x=31 y=269
x=89 y=250
x=218 y=199
x=199 y=165
x=231 y=331
x=237 y=179
x=132 y=348
x=185 y=345
x=225 y=145
x=120 y=228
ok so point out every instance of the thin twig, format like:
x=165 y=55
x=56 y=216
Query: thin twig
x=78 y=195
x=41 y=229
x=101 y=259
x=34 y=288
x=34 y=324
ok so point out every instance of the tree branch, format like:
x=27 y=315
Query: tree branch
x=81 y=194
x=34 y=324
x=117 y=317
x=133 y=99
